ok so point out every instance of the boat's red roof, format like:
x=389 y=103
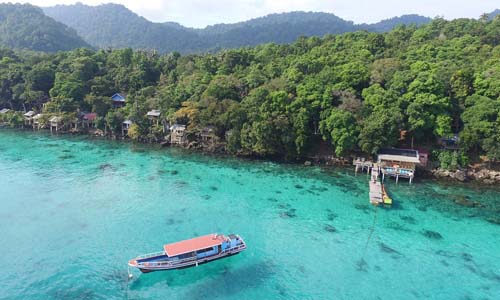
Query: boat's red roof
x=195 y=244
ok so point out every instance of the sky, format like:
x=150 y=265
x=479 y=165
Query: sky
x=200 y=13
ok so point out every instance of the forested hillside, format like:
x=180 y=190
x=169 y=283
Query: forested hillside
x=115 y=26
x=27 y=27
x=357 y=91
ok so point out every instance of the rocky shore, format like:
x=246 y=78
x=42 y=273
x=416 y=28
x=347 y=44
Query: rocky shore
x=482 y=175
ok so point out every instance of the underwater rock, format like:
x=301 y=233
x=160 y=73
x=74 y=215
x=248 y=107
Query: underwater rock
x=330 y=228
x=331 y=216
x=289 y=214
x=387 y=249
x=207 y=197
x=105 y=166
x=214 y=188
x=408 y=219
x=362 y=265
x=298 y=186
x=432 y=234
x=174 y=172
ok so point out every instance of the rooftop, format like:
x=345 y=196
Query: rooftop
x=118 y=98
x=195 y=244
x=154 y=113
x=178 y=127
x=5 y=110
x=402 y=155
x=55 y=119
x=30 y=114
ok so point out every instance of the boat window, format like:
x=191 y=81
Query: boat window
x=205 y=250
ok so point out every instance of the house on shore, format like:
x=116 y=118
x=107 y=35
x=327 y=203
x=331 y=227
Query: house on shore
x=28 y=118
x=154 y=116
x=55 y=123
x=4 y=111
x=126 y=126
x=398 y=163
x=118 y=100
x=37 y=121
x=89 y=120
x=178 y=134
x=208 y=135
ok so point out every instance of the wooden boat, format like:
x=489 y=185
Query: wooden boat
x=190 y=253
x=387 y=199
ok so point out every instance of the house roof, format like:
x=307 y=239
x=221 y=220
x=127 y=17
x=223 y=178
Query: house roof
x=400 y=158
x=118 y=98
x=5 y=110
x=178 y=127
x=195 y=244
x=128 y=122
x=37 y=116
x=154 y=113
x=55 y=119
x=402 y=155
x=90 y=116
x=29 y=114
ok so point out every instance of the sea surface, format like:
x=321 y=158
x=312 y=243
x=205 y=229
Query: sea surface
x=74 y=210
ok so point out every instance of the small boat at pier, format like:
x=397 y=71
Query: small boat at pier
x=190 y=253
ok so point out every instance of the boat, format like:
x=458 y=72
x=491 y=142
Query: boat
x=189 y=253
x=387 y=199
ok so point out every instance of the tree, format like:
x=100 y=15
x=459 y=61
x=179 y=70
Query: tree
x=341 y=129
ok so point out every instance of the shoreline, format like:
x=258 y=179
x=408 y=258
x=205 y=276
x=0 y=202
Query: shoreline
x=482 y=176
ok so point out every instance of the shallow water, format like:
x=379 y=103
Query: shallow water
x=75 y=210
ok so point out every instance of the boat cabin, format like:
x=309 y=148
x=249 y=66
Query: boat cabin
x=398 y=163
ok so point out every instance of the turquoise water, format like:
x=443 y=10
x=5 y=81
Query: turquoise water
x=74 y=211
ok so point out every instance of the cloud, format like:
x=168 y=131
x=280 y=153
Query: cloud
x=199 y=13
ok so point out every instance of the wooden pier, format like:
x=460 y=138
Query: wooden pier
x=362 y=164
x=376 y=191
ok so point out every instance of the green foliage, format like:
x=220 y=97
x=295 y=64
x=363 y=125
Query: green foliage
x=27 y=27
x=360 y=91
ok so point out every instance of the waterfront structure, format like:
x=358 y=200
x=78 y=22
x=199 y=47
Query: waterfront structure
x=178 y=134
x=208 y=135
x=190 y=253
x=4 y=111
x=55 y=123
x=37 y=122
x=126 y=126
x=89 y=120
x=398 y=163
x=154 y=116
x=118 y=100
x=28 y=117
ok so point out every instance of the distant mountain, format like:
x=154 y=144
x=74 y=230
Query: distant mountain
x=494 y=13
x=27 y=27
x=389 y=24
x=113 y=25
